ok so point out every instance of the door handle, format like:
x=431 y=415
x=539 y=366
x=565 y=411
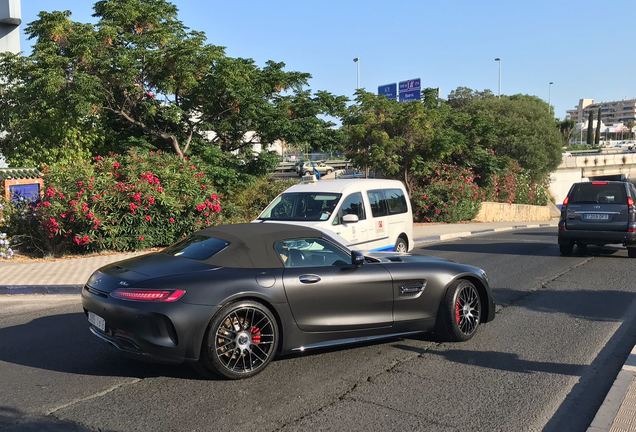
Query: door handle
x=309 y=278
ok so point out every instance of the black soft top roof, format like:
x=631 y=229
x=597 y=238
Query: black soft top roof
x=252 y=244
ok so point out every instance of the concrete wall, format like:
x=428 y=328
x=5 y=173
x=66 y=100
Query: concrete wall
x=504 y=212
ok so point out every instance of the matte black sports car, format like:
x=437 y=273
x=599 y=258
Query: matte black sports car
x=232 y=297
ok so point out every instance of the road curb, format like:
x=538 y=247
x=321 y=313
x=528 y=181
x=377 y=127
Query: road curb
x=608 y=413
x=39 y=289
x=464 y=234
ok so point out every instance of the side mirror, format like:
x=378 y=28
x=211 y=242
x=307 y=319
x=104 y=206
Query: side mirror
x=357 y=258
x=350 y=218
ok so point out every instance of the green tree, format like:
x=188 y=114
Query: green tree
x=590 y=128
x=597 y=135
x=566 y=127
x=139 y=77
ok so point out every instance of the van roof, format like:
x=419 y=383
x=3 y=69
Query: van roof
x=345 y=185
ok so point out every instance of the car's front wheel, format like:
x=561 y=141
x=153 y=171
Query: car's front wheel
x=460 y=312
x=401 y=245
x=240 y=341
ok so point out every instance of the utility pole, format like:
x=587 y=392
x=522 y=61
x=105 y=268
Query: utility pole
x=498 y=60
x=549 y=96
x=357 y=62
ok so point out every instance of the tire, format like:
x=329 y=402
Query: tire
x=460 y=312
x=328 y=172
x=240 y=341
x=631 y=252
x=401 y=245
x=566 y=248
x=307 y=173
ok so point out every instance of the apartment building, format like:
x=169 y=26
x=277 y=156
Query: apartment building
x=10 y=20
x=622 y=111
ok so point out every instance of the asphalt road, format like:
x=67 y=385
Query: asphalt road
x=564 y=326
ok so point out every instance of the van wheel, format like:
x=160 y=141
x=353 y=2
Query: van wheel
x=401 y=245
x=631 y=252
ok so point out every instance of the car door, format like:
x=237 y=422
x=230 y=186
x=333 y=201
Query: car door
x=326 y=293
x=598 y=206
x=356 y=233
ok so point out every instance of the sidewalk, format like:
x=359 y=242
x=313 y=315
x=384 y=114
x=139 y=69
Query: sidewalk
x=66 y=275
x=618 y=412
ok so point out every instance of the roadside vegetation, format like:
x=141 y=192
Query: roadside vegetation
x=144 y=132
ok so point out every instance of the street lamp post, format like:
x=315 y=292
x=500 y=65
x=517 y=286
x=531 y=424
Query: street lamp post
x=357 y=62
x=549 y=95
x=498 y=60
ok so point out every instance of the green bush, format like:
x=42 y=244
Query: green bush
x=118 y=202
x=247 y=204
x=514 y=185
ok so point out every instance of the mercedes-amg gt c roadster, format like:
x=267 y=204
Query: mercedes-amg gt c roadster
x=230 y=298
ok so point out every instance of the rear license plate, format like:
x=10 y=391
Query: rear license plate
x=596 y=217
x=97 y=321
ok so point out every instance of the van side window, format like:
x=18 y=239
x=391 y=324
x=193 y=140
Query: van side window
x=395 y=201
x=352 y=204
x=378 y=203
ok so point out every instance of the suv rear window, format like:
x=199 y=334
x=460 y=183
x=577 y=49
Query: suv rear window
x=598 y=193
x=197 y=247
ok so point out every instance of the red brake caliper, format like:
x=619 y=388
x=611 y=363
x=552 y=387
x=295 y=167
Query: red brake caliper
x=256 y=335
x=457 y=314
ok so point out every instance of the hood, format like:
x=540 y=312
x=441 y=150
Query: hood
x=129 y=272
x=402 y=257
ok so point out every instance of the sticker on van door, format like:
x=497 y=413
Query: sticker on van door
x=379 y=227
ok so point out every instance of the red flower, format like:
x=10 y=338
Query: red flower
x=148 y=218
x=63 y=215
x=214 y=197
x=84 y=207
x=171 y=220
x=159 y=189
x=137 y=196
x=46 y=204
x=200 y=207
x=116 y=165
x=217 y=208
x=141 y=238
x=80 y=183
x=98 y=158
x=50 y=192
x=133 y=207
x=90 y=215
x=151 y=200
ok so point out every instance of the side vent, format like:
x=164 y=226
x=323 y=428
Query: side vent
x=412 y=288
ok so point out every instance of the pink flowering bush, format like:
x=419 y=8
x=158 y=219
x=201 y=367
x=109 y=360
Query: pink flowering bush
x=449 y=194
x=121 y=202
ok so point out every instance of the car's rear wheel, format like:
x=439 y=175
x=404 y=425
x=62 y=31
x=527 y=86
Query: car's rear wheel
x=240 y=341
x=460 y=313
x=631 y=252
x=329 y=171
x=401 y=245
x=566 y=248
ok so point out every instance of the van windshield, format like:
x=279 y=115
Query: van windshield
x=301 y=206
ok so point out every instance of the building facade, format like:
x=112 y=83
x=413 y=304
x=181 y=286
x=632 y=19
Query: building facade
x=10 y=20
x=613 y=112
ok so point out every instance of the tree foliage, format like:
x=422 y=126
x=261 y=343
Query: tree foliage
x=139 y=77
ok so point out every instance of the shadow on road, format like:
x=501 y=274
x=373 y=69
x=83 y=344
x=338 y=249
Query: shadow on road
x=12 y=419
x=519 y=248
x=500 y=360
x=63 y=343
x=596 y=305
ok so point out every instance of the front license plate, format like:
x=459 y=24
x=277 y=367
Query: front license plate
x=97 y=321
x=596 y=217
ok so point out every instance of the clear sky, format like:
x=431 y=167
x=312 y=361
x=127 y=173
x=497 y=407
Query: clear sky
x=585 y=47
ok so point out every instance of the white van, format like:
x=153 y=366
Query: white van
x=370 y=214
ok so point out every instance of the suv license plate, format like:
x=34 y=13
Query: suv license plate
x=97 y=321
x=596 y=217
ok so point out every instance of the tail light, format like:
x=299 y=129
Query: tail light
x=566 y=201
x=630 y=202
x=599 y=183
x=162 y=296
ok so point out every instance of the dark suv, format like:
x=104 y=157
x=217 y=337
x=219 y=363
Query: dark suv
x=598 y=212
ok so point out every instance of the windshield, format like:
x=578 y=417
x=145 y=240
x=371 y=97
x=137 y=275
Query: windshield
x=302 y=206
x=599 y=193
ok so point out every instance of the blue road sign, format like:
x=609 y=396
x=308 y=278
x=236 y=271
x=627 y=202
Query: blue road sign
x=410 y=95
x=388 y=90
x=410 y=90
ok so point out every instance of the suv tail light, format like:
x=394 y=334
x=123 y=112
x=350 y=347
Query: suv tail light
x=599 y=183
x=630 y=202
x=146 y=295
x=566 y=201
